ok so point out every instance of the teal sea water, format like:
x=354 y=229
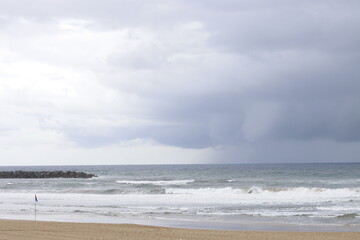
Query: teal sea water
x=239 y=196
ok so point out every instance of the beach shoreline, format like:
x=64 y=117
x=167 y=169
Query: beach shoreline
x=19 y=229
x=221 y=197
x=245 y=225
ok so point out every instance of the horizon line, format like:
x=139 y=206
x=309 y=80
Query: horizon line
x=177 y=164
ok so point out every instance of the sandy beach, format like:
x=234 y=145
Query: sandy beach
x=10 y=229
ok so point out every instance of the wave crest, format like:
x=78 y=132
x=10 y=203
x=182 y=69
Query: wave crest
x=159 y=183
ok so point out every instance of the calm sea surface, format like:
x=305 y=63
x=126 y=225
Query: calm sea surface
x=261 y=196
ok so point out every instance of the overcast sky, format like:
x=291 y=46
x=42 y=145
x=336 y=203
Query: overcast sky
x=203 y=81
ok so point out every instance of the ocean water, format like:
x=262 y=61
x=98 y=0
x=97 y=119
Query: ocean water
x=238 y=197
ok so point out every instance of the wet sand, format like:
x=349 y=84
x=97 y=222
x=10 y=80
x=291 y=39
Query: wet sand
x=10 y=229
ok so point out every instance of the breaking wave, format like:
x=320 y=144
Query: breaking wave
x=159 y=183
x=273 y=195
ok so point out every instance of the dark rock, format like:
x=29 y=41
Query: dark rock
x=45 y=174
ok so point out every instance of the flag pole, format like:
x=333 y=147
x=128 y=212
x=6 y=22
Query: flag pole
x=35 y=206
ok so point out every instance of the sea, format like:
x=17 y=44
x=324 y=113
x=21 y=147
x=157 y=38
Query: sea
x=293 y=197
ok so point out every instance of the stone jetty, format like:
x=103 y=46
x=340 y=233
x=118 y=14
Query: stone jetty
x=45 y=174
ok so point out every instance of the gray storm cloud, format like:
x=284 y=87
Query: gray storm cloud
x=251 y=76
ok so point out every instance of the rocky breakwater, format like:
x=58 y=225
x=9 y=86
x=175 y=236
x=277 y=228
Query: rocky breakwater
x=45 y=174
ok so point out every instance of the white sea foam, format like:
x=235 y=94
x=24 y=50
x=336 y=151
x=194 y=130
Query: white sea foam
x=162 y=182
x=340 y=208
x=257 y=195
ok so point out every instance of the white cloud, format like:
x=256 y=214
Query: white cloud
x=133 y=152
